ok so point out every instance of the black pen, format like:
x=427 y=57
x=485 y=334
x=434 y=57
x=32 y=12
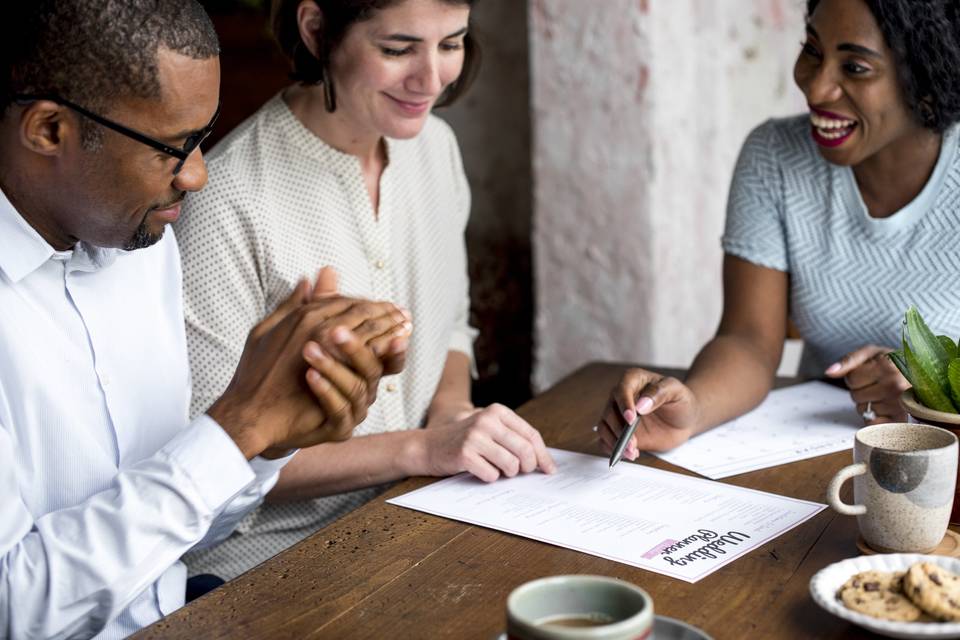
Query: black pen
x=623 y=441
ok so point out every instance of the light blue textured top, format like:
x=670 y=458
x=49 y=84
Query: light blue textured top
x=852 y=276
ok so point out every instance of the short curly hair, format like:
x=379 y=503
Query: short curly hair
x=339 y=16
x=95 y=51
x=924 y=36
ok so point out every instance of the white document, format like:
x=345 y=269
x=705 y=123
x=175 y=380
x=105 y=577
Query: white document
x=673 y=524
x=799 y=422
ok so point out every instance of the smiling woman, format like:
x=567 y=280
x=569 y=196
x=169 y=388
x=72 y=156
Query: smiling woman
x=311 y=64
x=348 y=167
x=880 y=89
x=838 y=219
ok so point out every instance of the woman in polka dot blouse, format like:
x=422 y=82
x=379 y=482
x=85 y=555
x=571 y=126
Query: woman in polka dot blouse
x=348 y=168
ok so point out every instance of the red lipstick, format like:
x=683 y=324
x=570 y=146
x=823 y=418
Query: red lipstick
x=831 y=139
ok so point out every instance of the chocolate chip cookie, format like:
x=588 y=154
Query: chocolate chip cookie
x=934 y=589
x=880 y=595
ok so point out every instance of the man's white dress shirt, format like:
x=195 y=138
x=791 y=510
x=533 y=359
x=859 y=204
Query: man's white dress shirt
x=104 y=481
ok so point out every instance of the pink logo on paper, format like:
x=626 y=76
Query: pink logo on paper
x=657 y=549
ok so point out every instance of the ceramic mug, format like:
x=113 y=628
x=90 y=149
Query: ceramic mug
x=903 y=482
x=579 y=607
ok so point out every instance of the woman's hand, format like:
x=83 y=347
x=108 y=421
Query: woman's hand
x=486 y=442
x=872 y=378
x=669 y=413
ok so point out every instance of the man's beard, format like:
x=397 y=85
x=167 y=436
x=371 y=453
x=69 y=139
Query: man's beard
x=142 y=238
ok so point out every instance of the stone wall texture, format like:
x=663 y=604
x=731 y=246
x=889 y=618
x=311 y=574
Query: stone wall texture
x=639 y=110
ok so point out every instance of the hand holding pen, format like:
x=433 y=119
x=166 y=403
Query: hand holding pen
x=662 y=411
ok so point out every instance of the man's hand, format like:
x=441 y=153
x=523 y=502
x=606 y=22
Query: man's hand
x=385 y=329
x=288 y=390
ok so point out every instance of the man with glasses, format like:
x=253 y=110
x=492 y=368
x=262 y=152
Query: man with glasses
x=142 y=237
x=105 y=483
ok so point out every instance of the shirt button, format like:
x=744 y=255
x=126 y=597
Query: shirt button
x=391 y=387
x=379 y=264
x=104 y=379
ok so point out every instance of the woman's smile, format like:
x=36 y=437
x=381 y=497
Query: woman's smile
x=409 y=107
x=831 y=129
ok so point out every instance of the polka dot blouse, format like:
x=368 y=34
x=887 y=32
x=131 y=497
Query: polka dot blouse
x=279 y=205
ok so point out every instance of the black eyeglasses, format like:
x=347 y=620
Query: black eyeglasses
x=193 y=141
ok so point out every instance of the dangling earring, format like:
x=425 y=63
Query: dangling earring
x=329 y=94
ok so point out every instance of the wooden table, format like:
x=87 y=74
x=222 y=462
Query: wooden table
x=388 y=572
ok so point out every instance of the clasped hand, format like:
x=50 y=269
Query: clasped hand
x=310 y=369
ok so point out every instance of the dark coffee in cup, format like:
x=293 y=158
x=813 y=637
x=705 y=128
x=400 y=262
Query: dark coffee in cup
x=586 y=620
x=579 y=607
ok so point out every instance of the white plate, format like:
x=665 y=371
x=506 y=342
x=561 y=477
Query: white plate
x=824 y=586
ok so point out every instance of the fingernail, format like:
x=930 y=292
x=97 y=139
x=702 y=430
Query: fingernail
x=644 y=405
x=833 y=368
x=399 y=346
x=629 y=416
x=313 y=351
x=406 y=314
x=632 y=455
x=340 y=335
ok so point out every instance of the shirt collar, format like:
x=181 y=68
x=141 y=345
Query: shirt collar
x=23 y=250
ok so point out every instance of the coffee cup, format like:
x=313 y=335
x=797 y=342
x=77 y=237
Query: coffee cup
x=904 y=477
x=579 y=607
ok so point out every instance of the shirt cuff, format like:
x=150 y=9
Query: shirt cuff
x=211 y=460
x=265 y=468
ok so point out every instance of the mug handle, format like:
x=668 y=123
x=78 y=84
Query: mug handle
x=833 y=490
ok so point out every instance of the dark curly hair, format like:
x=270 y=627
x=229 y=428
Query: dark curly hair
x=95 y=51
x=338 y=17
x=924 y=36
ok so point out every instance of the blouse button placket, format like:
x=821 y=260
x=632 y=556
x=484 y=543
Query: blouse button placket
x=383 y=288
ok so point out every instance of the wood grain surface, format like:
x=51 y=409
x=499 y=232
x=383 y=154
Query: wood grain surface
x=388 y=572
